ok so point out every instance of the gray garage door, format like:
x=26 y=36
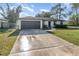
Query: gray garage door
x=30 y=25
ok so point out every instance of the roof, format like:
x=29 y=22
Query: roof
x=3 y=20
x=34 y=18
x=38 y=18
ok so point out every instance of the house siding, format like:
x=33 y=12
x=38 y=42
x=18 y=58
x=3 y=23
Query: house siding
x=46 y=23
x=52 y=24
x=43 y=21
x=58 y=22
x=4 y=24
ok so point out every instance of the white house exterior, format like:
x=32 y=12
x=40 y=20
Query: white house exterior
x=36 y=22
x=4 y=24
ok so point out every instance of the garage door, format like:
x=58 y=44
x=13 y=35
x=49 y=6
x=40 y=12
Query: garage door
x=30 y=25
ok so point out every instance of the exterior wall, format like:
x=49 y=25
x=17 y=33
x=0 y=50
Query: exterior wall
x=63 y=22
x=19 y=23
x=52 y=24
x=5 y=24
x=41 y=22
x=46 y=23
x=58 y=22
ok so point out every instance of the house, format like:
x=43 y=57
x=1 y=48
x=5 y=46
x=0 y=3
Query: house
x=4 y=23
x=37 y=23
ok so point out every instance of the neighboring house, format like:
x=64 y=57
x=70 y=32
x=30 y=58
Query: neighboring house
x=37 y=23
x=4 y=24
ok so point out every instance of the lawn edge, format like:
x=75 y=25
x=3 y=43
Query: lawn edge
x=62 y=39
x=14 y=43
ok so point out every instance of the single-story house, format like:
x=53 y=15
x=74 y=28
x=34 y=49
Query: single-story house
x=4 y=23
x=37 y=22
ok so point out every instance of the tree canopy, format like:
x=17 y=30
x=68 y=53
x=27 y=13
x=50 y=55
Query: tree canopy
x=11 y=15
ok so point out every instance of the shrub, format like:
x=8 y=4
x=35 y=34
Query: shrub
x=60 y=26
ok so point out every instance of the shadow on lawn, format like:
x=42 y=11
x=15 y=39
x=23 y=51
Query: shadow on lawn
x=51 y=32
x=15 y=33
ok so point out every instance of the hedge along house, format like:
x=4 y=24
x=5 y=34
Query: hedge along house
x=37 y=23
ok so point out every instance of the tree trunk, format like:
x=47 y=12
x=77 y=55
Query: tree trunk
x=76 y=17
x=59 y=12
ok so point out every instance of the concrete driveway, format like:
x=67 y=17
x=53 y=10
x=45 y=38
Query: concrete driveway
x=41 y=43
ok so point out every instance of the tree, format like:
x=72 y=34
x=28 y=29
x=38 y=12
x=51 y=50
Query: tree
x=18 y=10
x=11 y=14
x=43 y=14
x=72 y=19
x=75 y=7
x=58 y=11
x=38 y=15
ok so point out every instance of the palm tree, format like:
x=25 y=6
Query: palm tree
x=11 y=15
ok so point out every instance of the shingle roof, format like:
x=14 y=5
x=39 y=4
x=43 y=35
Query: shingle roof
x=38 y=18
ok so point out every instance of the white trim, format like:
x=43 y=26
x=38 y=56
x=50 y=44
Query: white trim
x=41 y=24
x=19 y=24
x=52 y=24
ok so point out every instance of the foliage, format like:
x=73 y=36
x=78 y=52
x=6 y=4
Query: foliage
x=10 y=14
x=43 y=14
x=74 y=18
x=58 y=11
x=60 y=26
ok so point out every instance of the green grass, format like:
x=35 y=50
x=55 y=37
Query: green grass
x=7 y=39
x=68 y=35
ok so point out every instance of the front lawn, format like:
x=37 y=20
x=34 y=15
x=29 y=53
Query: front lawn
x=7 y=39
x=69 y=35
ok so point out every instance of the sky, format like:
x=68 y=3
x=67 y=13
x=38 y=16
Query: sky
x=30 y=9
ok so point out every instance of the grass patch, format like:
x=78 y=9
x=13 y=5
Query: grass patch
x=7 y=39
x=68 y=35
